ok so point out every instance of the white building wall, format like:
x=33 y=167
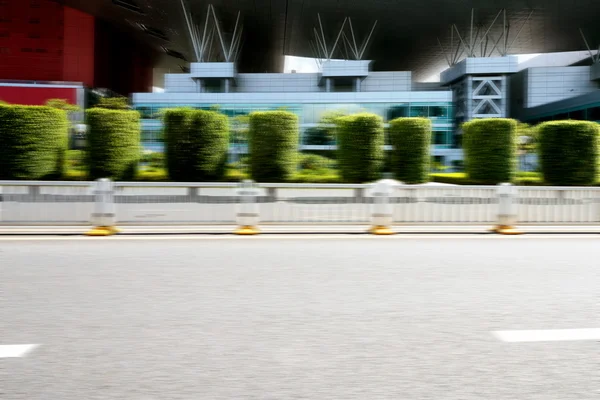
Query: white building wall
x=180 y=83
x=277 y=83
x=549 y=84
x=387 y=82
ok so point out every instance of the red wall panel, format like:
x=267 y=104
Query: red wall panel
x=78 y=53
x=36 y=96
x=31 y=40
x=45 y=41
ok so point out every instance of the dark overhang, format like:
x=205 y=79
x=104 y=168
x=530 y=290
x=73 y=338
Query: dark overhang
x=410 y=35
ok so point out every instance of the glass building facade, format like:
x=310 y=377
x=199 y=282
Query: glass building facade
x=311 y=117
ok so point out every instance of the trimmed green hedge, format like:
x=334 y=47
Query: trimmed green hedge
x=569 y=152
x=176 y=127
x=33 y=142
x=273 y=145
x=113 y=143
x=197 y=142
x=411 y=142
x=360 y=147
x=461 y=178
x=490 y=147
x=210 y=145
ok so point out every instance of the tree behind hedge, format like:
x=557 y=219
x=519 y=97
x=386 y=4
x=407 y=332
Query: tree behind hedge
x=490 y=147
x=113 y=143
x=411 y=142
x=569 y=152
x=360 y=141
x=273 y=145
x=197 y=144
x=33 y=142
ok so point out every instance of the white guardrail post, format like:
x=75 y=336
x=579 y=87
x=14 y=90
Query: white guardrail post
x=382 y=210
x=507 y=210
x=104 y=217
x=248 y=215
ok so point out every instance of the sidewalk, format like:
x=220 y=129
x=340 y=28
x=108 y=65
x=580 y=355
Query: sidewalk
x=295 y=229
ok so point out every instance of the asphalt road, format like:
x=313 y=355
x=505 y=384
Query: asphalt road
x=298 y=318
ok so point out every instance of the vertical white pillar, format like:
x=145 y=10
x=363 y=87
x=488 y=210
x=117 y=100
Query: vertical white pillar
x=104 y=215
x=507 y=209
x=248 y=213
x=382 y=211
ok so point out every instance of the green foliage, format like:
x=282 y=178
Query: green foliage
x=319 y=136
x=33 y=142
x=62 y=104
x=235 y=175
x=113 y=143
x=197 y=144
x=314 y=162
x=273 y=144
x=76 y=160
x=153 y=159
x=322 y=176
x=360 y=147
x=461 y=178
x=454 y=178
x=527 y=137
x=569 y=152
x=153 y=175
x=113 y=103
x=490 y=147
x=411 y=141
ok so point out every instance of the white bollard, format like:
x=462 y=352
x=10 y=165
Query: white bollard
x=247 y=215
x=507 y=210
x=382 y=210
x=104 y=216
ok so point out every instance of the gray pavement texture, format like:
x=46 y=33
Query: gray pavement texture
x=337 y=318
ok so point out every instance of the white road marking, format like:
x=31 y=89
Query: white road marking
x=16 y=350
x=548 y=335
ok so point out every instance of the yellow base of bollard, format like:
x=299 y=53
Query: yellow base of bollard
x=115 y=230
x=506 y=230
x=381 y=230
x=102 y=231
x=247 y=231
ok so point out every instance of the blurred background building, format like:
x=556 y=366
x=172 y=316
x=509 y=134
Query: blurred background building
x=442 y=59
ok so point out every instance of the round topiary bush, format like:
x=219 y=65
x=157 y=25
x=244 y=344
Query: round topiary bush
x=113 y=143
x=411 y=154
x=360 y=147
x=33 y=142
x=490 y=147
x=273 y=145
x=568 y=152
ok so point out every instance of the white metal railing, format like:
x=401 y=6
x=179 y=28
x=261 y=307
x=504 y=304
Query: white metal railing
x=170 y=203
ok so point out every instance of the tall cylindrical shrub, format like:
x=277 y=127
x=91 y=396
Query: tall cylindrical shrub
x=490 y=147
x=411 y=142
x=273 y=145
x=113 y=143
x=209 y=145
x=33 y=142
x=197 y=144
x=177 y=130
x=569 y=152
x=360 y=141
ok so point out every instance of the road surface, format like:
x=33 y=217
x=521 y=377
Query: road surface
x=300 y=318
